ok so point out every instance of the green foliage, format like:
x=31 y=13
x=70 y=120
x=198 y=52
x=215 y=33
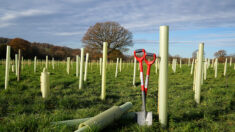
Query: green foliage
x=23 y=109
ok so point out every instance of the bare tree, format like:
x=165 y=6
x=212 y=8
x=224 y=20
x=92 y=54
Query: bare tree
x=194 y=54
x=220 y=54
x=118 y=37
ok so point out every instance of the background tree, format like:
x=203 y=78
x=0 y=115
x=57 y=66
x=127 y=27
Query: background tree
x=29 y=50
x=24 y=45
x=221 y=54
x=194 y=54
x=118 y=37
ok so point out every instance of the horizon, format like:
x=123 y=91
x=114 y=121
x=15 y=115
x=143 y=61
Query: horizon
x=64 y=22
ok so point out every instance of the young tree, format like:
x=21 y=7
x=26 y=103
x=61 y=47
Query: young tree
x=118 y=37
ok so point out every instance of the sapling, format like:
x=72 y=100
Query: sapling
x=45 y=83
x=120 y=67
x=156 y=66
x=103 y=88
x=216 y=63
x=47 y=62
x=77 y=65
x=134 y=72
x=16 y=64
x=231 y=59
x=116 y=73
x=205 y=70
x=8 y=59
x=19 y=65
x=180 y=62
x=100 y=66
x=192 y=67
x=188 y=61
x=208 y=64
x=68 y=65
x=35 y=64
x=22 y=63
x=53 y=63
x=202 y=70
x=225 y=67
x=85 y=74
x=212 y=63
x=81 y=69
x=13 y=68
x=163 y=75
x=199 y=73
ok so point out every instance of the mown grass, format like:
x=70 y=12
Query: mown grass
x=23 y=109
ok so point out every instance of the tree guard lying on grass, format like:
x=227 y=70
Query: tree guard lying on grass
x=105 y=118
x=128 y=116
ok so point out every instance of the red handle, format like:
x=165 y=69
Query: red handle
x=149 y=63
x=140 y=59
x=141 y=66
x=139 y=51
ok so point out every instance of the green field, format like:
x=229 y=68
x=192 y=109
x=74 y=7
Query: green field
x=23 y=109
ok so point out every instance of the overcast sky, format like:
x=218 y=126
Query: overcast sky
x=64 y=22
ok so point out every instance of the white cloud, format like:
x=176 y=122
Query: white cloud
x=3 y=25
x=73 y=17
x=68 y=33
x=155 y=41
x=10 y=15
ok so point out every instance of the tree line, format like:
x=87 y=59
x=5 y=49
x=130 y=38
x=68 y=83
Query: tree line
x=31 y=49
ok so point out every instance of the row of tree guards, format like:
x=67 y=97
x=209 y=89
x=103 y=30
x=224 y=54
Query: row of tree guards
x=198 y=65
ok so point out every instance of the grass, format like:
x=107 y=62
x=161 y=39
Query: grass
x=23 y=109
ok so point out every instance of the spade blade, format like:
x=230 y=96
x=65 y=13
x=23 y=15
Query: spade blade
x=144 y=119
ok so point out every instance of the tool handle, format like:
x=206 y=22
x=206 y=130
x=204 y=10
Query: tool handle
x=149 y=54
x=140 y=59
x=150 y=62
x=139 y=50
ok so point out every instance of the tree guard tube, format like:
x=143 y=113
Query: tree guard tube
x=105 y=118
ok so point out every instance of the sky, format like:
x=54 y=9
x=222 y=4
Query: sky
x=64 y=22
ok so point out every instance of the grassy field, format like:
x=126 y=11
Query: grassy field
x=23 y=109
